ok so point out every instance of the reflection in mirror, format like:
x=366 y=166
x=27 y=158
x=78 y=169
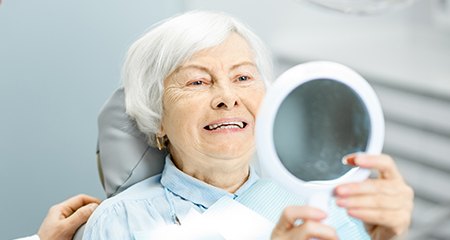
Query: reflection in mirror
x=317 y=124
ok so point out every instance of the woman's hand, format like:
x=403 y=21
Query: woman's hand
x=383 y=204
x=65 y=218
x=310 y=228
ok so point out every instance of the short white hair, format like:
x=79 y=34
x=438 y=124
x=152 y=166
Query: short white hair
x=168 y=44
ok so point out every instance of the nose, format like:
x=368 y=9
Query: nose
x=224 y=98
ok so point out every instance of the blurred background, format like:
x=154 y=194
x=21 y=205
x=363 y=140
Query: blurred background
x=60 y=60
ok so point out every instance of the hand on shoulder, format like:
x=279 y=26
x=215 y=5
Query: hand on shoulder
x=65 y=218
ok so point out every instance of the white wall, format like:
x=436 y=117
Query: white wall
x=59 y=61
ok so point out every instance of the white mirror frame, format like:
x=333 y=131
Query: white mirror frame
x=271 y=165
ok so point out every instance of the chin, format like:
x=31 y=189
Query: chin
x=232 y=151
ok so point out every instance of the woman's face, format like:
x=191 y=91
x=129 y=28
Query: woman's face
x=211 y=101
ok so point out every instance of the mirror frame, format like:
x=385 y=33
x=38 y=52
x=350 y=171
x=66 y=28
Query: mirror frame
x=270 y=163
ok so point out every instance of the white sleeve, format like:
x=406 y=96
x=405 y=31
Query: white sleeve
x=34 y=237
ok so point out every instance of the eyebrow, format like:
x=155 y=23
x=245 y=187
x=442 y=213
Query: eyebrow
x=242 y=64
x=203 y=68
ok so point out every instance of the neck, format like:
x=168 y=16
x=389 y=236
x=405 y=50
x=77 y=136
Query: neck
x=227 y=174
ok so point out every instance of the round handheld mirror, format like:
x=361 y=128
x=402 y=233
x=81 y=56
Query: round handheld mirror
x=312 y=116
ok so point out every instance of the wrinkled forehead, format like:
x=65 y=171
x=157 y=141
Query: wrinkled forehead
x=232 y=53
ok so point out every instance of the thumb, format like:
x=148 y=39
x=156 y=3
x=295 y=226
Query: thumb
x=80 y=216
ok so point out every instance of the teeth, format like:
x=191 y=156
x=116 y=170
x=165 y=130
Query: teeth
x=226 y=125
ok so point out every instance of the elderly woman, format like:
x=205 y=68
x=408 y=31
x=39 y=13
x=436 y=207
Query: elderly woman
x=194 y=84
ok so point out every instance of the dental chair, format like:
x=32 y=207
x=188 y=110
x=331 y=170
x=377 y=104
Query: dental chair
x=123 y=155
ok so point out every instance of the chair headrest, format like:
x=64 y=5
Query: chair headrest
x=123 y=155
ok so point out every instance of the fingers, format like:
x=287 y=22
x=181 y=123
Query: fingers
x=311 y=226
x=385 y=204
x=81 y=216
x=312 y=230
x=369 y=186
x=293 y=213
x=375 y=194
x=69 y=206
x=65 y=218
x=383 y=163
x=378 y=201
x=396 y=221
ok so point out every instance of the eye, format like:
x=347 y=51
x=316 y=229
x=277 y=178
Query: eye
x=196 y=83
x=243 y=78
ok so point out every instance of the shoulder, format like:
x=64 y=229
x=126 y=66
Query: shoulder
x=122 y=214
x=141 y=191
x=138 y=191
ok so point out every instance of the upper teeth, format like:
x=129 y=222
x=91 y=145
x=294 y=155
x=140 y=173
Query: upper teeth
x=226 y=125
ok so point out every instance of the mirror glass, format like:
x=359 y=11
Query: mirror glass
x=318 y=123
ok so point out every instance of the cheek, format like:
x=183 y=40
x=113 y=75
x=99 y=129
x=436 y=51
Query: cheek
x=180 y=113
x=175 y=102
x=256 y=98
x=175 y=116
x=175 y=125
x=171 y=113
x=171 y=96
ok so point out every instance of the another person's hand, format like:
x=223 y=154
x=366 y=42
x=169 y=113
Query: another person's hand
x=384 y=204
x=65 y=218
x=310 y=228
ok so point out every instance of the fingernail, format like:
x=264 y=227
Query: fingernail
x=92 y=206
x=341 y=202
x=339 y=191
x=349 y=160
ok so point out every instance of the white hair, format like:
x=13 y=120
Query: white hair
x=155 y=55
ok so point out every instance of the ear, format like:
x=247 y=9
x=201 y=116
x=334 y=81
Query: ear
x=161 y=132
x=161 y=138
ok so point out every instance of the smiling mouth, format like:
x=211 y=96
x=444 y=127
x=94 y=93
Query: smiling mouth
x=226 y=125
